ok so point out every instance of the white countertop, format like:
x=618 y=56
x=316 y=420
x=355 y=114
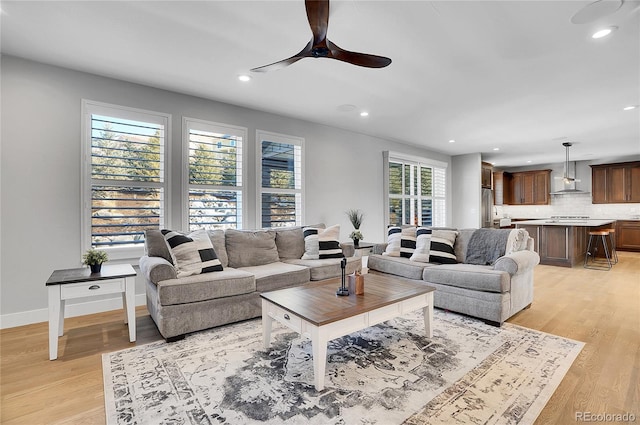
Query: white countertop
x=577 y=223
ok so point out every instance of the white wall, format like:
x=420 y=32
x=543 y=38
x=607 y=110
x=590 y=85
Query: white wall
x=40 y=171
x=466 y=185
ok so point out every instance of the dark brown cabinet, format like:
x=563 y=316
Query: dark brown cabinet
x=487 y=176
x=628 y=235
x=528 y=188
x=615 y=183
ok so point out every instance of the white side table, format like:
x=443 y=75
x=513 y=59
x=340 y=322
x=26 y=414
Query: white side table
x=79 y=283
x=363 y=250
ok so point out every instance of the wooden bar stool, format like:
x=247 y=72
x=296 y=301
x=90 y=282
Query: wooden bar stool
x=593 y=240
x=612 y=239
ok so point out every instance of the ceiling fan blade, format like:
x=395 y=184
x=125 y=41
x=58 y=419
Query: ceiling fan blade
x=318 y=16
x=304 y=53
x=355 y=58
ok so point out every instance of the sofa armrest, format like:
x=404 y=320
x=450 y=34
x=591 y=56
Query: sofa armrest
x=157 y=269
x=379 y=248
x=517 y=262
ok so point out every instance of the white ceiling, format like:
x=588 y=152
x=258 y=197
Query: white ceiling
x=516 y=75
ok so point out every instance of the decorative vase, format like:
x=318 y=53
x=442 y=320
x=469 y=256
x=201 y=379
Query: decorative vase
x=95 y=268
x=356 y=242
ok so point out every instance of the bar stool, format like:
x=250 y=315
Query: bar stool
x=593 y=240
x=612 y=239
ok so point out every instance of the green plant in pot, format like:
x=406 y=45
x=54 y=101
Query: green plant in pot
x=94 y=259
x=355 y=217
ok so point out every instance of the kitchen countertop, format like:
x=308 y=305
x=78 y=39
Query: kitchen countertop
x=577 y=223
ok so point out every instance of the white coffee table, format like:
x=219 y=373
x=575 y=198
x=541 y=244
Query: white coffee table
x=315 y=311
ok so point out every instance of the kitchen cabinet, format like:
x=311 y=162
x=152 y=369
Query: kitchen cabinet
x=628 y=235
x=615 y=183
x=487 y=175
x=501 y=185
x=529 y=188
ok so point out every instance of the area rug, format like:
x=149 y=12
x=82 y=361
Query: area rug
x=391 y=373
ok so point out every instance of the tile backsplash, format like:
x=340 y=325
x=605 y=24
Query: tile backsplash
x=576 y=204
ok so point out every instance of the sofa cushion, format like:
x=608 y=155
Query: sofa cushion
x=192 y=253
x=462 y=242
x=201 y=287
x=247 y=248
x=423 y=245
x=397 y=265
x=322 y=243
x=329 y=267
x=155 y=245
x=469 y=276
x=290 y=243
x=273 y=276
x=394 y=239
x=219 y=245
x=441 y=250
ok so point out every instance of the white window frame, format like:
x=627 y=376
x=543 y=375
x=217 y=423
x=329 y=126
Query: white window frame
x=262 y=135
x=88 y=108
x=439 y=200
x=220 y=128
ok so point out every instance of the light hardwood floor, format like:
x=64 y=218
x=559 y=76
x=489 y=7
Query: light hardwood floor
x=597 y=307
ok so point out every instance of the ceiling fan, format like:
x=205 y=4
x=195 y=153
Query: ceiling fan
x=566 y=177
x=321 y=47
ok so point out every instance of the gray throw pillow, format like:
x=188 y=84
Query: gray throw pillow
x=247 y=248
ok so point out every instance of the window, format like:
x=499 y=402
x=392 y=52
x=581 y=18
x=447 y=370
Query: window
x=280 y=180
x=125 y=184
x=215 y=184
x=416 y=191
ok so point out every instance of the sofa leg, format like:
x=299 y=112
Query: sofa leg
x=174 y=338
x=492 y=323
x=529 y=306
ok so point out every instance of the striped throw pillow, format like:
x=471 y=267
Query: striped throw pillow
x=441 y=249
x=192 y=253
x=322 y=243
x=407 y=242
x=423 y=245
x=394 y=236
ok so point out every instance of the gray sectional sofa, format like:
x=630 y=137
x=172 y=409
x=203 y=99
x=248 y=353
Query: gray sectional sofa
x=492 y=292
x=253 y=261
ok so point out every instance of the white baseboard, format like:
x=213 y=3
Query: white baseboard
x=71 y=310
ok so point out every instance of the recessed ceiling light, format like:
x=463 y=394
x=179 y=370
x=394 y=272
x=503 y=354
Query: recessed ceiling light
x=364 y=114
x=529 y=162
x=244 y=78
x=630 y=107
x=496 y=149
x=452 y=141
x=603 y=32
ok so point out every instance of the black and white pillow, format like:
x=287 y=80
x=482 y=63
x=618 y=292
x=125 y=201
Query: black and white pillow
x=394 y=237
x=423 y=245
x=322 y=243
x=441 y=249
x=407 y=242
x=192 y=253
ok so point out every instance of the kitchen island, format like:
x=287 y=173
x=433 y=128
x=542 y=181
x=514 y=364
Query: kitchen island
x=562 y=241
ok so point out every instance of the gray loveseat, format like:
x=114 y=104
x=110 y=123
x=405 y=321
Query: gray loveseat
x=253 y=261
x=492 y=292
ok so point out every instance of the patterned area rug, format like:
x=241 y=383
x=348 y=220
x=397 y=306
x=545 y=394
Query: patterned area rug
x=468 y=373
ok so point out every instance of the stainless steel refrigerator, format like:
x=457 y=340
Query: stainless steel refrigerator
x=487 y=208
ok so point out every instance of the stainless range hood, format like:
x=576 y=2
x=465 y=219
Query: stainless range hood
x=569 y=183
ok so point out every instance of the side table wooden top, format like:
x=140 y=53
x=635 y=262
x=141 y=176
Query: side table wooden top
x=83 y=274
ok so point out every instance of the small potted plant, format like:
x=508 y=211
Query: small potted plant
x=94 y=259
x=355 y=217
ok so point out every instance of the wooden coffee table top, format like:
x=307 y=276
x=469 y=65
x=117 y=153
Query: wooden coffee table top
x=318 y=303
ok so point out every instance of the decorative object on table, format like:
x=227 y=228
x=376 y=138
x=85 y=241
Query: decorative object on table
x=469 y=371
x=94 y=259
x=356 y=283
x=355 y=217
x=343 y=290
